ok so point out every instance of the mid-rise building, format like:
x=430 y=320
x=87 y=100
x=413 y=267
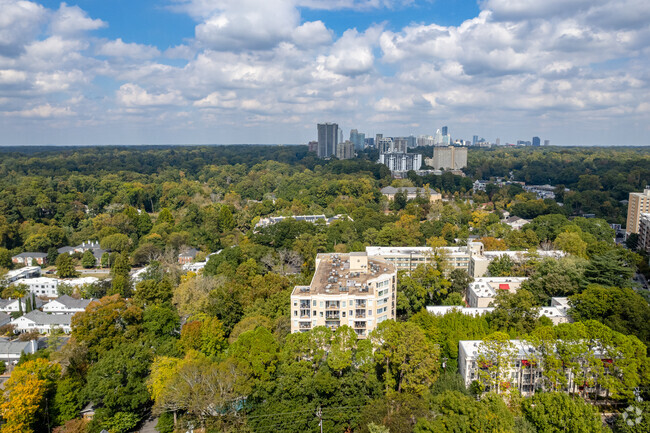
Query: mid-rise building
x=547 y=142
x=425 y=140
x=536 y=141
x=448 y=158
x=313 y=146
x=644 y=232
x=347 y=289
x=345 y=150
x=638 y=203
x=328 y=139
x=385 y=144
x=482 y=291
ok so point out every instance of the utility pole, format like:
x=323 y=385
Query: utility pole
x=319 y=415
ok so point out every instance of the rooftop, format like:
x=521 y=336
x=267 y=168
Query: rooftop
x=333 y=275
x=41 y=318
x=71 y=302
x=487 y=287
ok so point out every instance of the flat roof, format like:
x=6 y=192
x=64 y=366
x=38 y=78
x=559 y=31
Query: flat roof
x=333 y=276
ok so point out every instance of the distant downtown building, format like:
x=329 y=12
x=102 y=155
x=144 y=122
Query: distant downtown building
x=328 y=139
x=536 y=141
x=347 y=289
x=401 y=162
x=345 y=150
x=639 y=202
x=358 y=139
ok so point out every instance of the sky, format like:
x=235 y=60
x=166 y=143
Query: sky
x=87 y=72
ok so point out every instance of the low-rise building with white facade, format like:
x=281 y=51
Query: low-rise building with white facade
x=49 y=287
x=412 y=193
x=482 y=291
x=347 y=289
x=14 y=305
x=555 y=313
x=11 y=351
x=66 y=305
x=42 y=322
x=22 y=273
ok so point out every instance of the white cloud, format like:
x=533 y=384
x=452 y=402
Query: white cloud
x=119 y=48
x=43 y=112
x=19 y=22
x=352 y=53
x=12 y=76
x=248 y=25
x=312 y=34
x=132 y=95
x=70 y=20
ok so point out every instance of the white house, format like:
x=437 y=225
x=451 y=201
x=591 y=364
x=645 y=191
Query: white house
x=66 y=305
x=12 y=305
x=10 y=351
x=515 y=222
x=42 y=322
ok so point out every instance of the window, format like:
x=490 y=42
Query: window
x=343 y=313
x=369 y=312
x=295 y=313
x=321 y=314
x=313 y=303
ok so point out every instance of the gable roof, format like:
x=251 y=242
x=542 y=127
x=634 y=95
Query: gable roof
x=48 y=319
x=70 y=302
x=26 y=255
x=13 y=347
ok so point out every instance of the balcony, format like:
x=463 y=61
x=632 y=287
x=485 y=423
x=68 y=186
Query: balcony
x=304 y=325
x=305 y=304
x=360 y=304
x=332 y=305
x=360 y=325
x=332 y=315
x=305 y=314
x=361 y=314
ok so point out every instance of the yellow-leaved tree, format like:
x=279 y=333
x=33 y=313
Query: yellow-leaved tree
x=23 y=399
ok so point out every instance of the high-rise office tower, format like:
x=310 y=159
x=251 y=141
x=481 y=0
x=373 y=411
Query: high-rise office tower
x=357 y=139
x=328 y=139
x=445 y=130
x=474 y=140
x=536 y=141
x=547 y=142
x=438 y=138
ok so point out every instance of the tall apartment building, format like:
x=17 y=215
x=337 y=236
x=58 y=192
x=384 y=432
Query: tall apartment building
x=536 y=141
x=345 y=150
x=401 y=162
x=347 y=289
x=638 y=203
x=328 y=139
x=384 y=144
x=448 y=158
x=644 y=232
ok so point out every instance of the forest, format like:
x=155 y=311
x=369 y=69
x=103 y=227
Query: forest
x=212 y=349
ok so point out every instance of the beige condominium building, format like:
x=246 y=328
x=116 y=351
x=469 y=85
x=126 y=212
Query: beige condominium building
x=347 y=289
x=638 y=203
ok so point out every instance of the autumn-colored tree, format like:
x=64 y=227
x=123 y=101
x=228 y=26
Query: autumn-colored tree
x=23 y=399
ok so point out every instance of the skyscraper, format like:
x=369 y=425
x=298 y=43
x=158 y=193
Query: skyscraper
x=474 y=140
x=536 y=141
x=328 y=139
x=358 y=139
x=445 y=130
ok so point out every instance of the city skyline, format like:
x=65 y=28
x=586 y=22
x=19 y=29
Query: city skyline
x=265 y=71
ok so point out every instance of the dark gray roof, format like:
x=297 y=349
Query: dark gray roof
x=64 y=250
x=31 y=255
x=71 y=302
x=13 y=347
x=48 y=319
x=189 y=253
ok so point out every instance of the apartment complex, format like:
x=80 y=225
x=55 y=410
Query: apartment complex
x=408 y=258
x=644 y=232
x=347 y=289
x=638 y=203
x=412 y=193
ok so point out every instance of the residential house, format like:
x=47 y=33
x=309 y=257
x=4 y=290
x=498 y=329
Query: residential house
x=10 y=351
x=515 y=222
x=42 y=322
x=187 y=256
x=28 y=259
x=66 y=305
x=92 y=246
x=13 y=305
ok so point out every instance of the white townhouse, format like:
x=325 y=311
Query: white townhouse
x=13 y=305
x=42 y=322
x=66 y=305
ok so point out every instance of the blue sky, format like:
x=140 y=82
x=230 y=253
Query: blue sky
x=266 y=71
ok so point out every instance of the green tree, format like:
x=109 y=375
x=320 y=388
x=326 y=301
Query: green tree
x=572 y=243
x=495 y=355
x=408 y=361
x=153 y=292
x=116 y=242
x=5 y=259
x=556 y=278
x=502 y=266
x=88 y=260
x=65 y=266
x=460 y=281
x=558 y=412
x=515 y=311
x=613 y=268
x=456 y=412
